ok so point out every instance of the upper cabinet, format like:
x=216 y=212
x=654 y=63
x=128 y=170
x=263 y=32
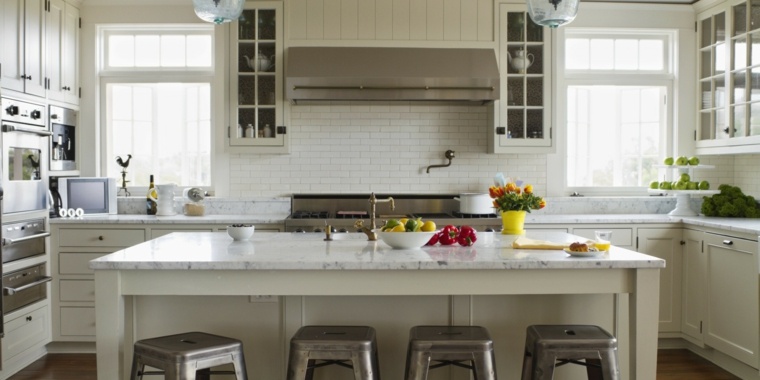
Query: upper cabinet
x=729 y=79
x=22 y=46
x=256 y=105
x=522 y=113
x=62 y=51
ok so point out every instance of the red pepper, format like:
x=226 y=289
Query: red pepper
x=467 y=236
x=433 y=240
x=449 y=235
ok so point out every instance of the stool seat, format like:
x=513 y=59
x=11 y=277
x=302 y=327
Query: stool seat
x=450 y=345
x=352 y=347
x=549 y=346
x=180 y=356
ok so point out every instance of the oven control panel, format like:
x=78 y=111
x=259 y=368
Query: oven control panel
x=22 y=112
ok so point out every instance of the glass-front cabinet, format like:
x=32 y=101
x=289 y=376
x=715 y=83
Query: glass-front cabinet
x=522 y=121
x=728 y=119
x=257 y=117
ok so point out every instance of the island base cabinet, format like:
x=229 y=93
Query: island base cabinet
x=732 y=297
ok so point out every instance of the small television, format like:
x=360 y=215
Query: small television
x=94 y=195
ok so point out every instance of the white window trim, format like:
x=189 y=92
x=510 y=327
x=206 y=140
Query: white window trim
x=216 y=77
x=556 y=163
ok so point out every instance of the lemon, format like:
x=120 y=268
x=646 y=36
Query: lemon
x=428 y=226
x=399 y=228
x=403 y=221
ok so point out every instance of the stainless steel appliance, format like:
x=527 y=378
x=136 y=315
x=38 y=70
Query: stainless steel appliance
x=24 y=287
x=63 y=123
x=312 y=212
x=25 y=150
x=25 y=239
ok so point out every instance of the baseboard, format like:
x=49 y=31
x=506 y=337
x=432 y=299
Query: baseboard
x=71 y=347
x=733 y=366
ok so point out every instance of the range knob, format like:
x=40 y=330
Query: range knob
x=318 y=230
x=12 y=110
x=36 y=114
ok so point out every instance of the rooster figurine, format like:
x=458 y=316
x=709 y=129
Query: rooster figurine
x=124 y=165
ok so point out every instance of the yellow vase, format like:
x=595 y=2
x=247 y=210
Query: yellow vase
x=513 y=222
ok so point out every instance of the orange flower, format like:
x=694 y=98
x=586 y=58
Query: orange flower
x=495 y=191
x=541 y=203
x=528 y=189
x=511 y=187
x=514 y=198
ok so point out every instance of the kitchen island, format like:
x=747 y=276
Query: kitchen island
x=303 y=265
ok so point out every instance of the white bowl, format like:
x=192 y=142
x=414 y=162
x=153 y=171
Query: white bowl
x=240 y=233
x=405 y=240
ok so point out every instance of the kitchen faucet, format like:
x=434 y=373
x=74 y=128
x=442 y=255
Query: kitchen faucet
x=370 y=232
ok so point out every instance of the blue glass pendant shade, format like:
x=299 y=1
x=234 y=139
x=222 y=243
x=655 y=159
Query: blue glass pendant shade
x=218 y=11
x=552 y=13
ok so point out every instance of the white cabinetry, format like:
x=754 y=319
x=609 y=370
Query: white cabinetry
x=667 y=244
x=523 y=112
x=27 y=331
x=693 y=287
x=62 y=51
x=732 y=296
x=22 y=47
x=256 y=67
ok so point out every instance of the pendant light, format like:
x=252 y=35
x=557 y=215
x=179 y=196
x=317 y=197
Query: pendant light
x=218 y=11
x=552 y=13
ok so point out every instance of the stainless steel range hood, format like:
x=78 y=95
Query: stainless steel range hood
x=368 y=73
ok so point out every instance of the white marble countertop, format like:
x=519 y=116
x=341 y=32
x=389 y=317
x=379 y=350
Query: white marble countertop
x=291 y=251
x=278 y=218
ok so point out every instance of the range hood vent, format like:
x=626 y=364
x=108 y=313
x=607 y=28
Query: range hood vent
x=391 y=74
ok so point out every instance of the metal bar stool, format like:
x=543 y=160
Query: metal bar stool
x=352 y=347
x=549 y=346
x=450 y=345
x=180 y=356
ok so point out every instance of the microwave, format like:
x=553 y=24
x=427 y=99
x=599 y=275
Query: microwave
x=94 y=195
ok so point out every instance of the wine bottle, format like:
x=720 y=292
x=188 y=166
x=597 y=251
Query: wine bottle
x=152 y=206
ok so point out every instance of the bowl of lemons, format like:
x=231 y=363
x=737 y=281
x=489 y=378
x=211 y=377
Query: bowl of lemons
x=406 y=233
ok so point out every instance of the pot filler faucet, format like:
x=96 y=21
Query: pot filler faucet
x=373 y=201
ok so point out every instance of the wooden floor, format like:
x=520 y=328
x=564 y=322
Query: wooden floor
x=671 y=365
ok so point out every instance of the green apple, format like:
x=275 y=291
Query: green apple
x=668 y=161
x=682 y=160
x=664 y=185
x=694 y=161
x=685 y=177
x=654 y=185
x=680 y=185
x=692 y=186
x=704 y=185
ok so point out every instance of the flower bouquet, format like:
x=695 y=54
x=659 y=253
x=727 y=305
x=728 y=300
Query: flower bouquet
x=514 y=202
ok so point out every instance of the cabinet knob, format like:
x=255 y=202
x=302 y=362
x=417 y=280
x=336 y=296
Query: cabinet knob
x=728 y=242
x=100 y=237
x=29 y=318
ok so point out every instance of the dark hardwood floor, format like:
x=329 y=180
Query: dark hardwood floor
x=671 y=365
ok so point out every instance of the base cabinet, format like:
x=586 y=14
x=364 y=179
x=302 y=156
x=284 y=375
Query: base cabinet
x=667 y=245
x=27 y=331
x=693 y=287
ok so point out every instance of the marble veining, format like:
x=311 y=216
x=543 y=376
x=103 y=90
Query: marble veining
x=288 y=251
x=214 y=205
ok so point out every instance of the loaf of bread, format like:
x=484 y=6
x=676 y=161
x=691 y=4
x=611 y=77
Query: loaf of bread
x=579 y=247
x=194 y=209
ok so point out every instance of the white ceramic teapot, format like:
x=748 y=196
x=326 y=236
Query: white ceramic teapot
x=165 y=199
x=521 y=61
x=260 y=63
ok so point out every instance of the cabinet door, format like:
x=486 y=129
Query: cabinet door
x=70 y=55
x=523 y=115
x=34 y=47
x=54 y=49
x=12 y=44
x=27 y=331
x=693 y=287
x=256 y=80
x=732 y=297
x=666 y=244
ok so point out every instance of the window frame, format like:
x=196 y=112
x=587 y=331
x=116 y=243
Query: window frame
x=159 y=75
x=556 y=163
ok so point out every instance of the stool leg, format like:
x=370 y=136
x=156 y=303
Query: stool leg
x=238 y=361
x=594 y=369
x=362 y=363
x=375 y=365
x=483 y=364
x=297 y=365
x=419 y=363
x=527 y=367
x=137 y=368
x=610 y=369
x=543 y=366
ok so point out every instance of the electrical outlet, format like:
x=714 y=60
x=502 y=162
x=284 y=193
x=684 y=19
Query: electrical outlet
x=264 y=299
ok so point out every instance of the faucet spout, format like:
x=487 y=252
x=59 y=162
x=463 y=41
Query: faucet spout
x=373 y=201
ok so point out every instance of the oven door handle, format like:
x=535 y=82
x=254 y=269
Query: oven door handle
x=13 y=128
x=8 y=291
x=8 y=241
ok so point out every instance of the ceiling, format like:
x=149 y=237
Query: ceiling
x=186 y=2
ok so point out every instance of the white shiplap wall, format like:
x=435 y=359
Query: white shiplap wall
x=349 y=147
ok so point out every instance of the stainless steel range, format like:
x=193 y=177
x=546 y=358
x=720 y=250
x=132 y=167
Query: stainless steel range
x=313 y=212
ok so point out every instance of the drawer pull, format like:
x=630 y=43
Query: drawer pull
x=8 y=291
x=7 y=241
x=728 y=242
x=29 y=318
x=100 y=237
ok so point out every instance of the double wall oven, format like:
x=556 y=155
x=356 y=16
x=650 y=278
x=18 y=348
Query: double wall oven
x=24 y=162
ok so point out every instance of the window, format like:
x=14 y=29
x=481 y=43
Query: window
x=156 y=86
x=615 y=87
